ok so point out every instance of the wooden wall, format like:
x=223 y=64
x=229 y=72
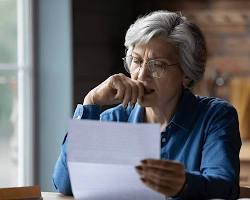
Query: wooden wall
x=99 y=28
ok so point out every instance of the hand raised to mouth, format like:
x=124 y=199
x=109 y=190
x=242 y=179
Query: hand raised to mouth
x=117 y=89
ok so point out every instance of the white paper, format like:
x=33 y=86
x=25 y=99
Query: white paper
x=102 y=157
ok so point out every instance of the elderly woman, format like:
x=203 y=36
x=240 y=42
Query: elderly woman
x=200 y=141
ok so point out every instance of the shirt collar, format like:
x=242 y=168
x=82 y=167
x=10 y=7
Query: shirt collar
x=187 y=106
x=186 y=112
x=137 y=114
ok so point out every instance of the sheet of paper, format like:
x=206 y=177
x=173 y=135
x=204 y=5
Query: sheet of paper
x=102 y=156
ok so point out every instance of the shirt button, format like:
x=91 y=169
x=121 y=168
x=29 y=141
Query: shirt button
x=163 y=139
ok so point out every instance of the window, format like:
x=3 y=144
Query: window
x=16 y=86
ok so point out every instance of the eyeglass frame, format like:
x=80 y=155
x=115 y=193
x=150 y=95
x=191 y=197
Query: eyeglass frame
x=125 y=65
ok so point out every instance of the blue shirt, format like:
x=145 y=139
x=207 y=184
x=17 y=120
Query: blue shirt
x=203 y=135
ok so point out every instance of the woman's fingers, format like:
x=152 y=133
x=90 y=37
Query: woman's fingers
x=116 y=89
x=128 y=94
x=162 y=177
x=134 y=92
x=128 y=90
x=120 y=90
x=120 y=83
x=166 y=190
x=167 y=176
x=163 y=164
x=138 y=91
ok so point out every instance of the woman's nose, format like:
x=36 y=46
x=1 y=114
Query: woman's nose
x=144 y=72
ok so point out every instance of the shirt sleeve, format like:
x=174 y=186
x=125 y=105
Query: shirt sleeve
x=220 y=166
x=60 y=176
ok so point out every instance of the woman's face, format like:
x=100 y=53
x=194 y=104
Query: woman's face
x=166 y=89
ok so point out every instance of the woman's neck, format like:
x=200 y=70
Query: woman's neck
x=153 y=115
x=162 y=114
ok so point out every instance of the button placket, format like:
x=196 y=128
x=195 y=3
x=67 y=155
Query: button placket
x=163 y=140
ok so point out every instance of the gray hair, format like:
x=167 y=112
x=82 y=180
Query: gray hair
x=185 y=35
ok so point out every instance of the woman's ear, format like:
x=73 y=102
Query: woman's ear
x=187 y=82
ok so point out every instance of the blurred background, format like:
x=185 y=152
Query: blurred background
x=53 y=52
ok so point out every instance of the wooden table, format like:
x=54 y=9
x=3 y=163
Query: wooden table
x=55 y=196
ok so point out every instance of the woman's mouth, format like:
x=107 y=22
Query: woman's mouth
x=148 y=91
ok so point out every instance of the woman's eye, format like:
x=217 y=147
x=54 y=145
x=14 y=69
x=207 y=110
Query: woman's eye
x=159 y=65
x=136 y=61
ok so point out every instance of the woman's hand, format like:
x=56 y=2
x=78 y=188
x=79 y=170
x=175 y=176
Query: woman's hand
x=164 y=176
x=116 y=89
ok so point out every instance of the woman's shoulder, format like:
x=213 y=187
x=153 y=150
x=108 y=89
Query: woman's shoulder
x=214 y=104
x=204 y=102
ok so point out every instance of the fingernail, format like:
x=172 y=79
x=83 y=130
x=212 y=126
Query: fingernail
x=138 y=168
x=143 y=180
x=144 y=161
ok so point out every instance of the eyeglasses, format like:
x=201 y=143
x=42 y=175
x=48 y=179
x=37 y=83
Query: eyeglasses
x=156 y=67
